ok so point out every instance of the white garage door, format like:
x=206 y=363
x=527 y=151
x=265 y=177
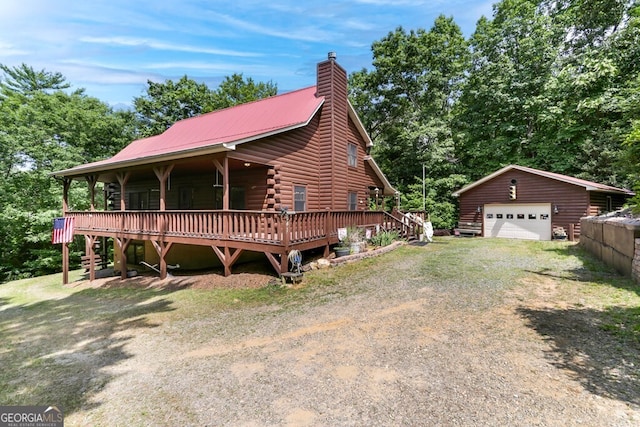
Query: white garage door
x=518 y=221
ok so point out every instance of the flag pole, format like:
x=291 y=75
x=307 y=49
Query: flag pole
x=65 y=263
x=66 y=185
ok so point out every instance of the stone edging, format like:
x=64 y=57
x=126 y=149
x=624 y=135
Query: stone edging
x=368 y=254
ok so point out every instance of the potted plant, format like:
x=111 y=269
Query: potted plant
x=355 y=239
x=342 y=250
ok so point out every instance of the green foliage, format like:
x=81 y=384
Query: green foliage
x=235 y=90
x=166 y=103
x=384 y=238
x=25 y=80
x=549 y=89
x=439 y=204
x=43 y=129
x=405 y=102
x=354 y=235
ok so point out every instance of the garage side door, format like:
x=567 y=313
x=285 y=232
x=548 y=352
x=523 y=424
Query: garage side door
x=518 y=221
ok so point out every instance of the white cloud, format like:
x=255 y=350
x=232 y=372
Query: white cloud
x=159 y=45
x=306 y=32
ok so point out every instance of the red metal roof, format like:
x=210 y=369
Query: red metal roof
x=232 y=125
x=219 y=130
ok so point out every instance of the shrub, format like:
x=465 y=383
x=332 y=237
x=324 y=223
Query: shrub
x=384 y=238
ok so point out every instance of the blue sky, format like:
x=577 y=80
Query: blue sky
x=111 y=48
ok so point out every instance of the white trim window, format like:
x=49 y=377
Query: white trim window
x=352 y=155
x=353 y=201
x=299 y=198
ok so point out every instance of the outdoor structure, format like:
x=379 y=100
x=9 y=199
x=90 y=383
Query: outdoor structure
x=615 y=240
x=264 y=177
x=526 y=203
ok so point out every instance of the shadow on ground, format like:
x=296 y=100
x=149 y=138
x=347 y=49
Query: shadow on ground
x=61 y=351
x=581 y=344
x=601 y=348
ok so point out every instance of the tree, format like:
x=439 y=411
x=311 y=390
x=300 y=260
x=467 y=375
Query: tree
x=548 y=89
x=41 y=131
x=166 y=103
x=406 y=101
x=235 y=90
x=26 y=80
x=497 y=119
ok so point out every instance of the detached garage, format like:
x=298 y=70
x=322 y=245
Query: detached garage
x=525 y=203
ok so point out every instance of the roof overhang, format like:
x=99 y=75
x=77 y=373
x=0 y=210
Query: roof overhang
x=387 y=189
x=356 y=121
x=588 y=186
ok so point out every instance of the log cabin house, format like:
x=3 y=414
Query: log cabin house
x=264 y=177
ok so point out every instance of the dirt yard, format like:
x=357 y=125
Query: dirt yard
x=450 y=333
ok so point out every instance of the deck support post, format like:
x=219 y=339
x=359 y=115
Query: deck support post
x=65 y=263
x=275 y=263
x=162 y=248
x=226 y=257
x=123 y=244
x=90 y=252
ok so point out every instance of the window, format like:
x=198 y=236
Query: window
x=352 y=155
x=218 y=190
x=299 y=198
x=138 y=200
x=353 y=201
x=217 y=197
x=186 y=198
x=609 y=204
x=237 y=198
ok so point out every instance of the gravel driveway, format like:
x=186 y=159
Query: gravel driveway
x=451 y=333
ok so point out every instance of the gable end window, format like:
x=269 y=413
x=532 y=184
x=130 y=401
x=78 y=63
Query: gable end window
x=352 y=155
x=299 y=198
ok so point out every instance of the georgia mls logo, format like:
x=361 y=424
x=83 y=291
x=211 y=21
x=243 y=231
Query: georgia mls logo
x=31 y=416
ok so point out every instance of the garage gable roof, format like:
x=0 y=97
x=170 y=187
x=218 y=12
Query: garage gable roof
x=587 y=185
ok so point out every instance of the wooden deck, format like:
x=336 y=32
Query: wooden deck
x=229 y=233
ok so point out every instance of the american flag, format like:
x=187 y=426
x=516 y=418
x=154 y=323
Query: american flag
x=62 y=230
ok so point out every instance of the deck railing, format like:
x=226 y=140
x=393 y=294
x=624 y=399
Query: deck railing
x=254 y=226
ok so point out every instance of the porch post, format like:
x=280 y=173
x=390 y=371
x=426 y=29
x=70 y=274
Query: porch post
x=122 y=180
x=66 y=184
x=225 y=184
x=162 y=173
x=92 y=181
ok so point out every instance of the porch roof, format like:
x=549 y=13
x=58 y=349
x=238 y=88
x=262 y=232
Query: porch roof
x=214 y=132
